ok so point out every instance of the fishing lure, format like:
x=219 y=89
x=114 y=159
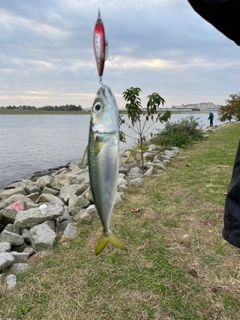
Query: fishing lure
x=100 y=45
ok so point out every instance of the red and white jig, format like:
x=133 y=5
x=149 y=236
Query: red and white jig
x=100 y=45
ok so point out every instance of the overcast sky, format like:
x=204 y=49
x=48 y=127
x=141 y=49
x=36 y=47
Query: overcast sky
x=47 y=58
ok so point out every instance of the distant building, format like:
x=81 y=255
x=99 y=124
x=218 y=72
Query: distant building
x=203 y=106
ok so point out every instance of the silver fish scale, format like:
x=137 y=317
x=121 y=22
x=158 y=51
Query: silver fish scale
x=103 y=172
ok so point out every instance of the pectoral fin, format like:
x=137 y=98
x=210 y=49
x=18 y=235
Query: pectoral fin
x=110 y=237
x=98 y=144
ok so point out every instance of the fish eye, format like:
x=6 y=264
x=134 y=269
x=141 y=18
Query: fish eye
x=97 y=107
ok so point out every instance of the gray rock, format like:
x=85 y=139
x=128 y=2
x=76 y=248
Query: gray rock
x=65 y=217
x=82 y=215
x=42 y=237
x=123 y=169
x=19 y=248
x=7 y=216
x=158 y=157
x=13 y=238
x=13 y=199
x=54 y=184
x=50 y=190
x=5 y=246
x=31 y=205
x=86 y=194
x=135 y=172
x=74 y=167
x=48 y=181
x=122 y=187
x=49 y=198
x=165 y=157
x=83 y=171
x=71 y=230
x=8 y=193
x=29 y=250
x=118 y=197
x=62 y=225
x=16 y=268
x=67 y=191
x=11 y=281
x=30 y=186
x=158 y=165
x=121 y=175
x=63 y=182
x=51 y=224
x=20 y=257
x=149 y=156
x=83 y=187
x=34 y=216
x=121 y=181
x=72 y=200
x=149 y=172
x=12 y=228
x=26 y=235
x=153 y=147
x=85 y=176
x=80 y=203
x=6 y=260
x=92 y=210
x=61 y=171
x=33 y=196
x=75 y=178
x=122 y=184
x=137 y=182
x=169 y=154
x=176 y=149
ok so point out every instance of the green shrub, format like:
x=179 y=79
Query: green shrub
x=183 y=133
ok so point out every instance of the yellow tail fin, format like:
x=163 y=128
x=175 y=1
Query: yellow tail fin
x=104 y=239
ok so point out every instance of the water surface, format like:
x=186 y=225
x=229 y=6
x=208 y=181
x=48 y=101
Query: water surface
x=30 y=143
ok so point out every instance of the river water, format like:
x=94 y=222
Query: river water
x=30 y=143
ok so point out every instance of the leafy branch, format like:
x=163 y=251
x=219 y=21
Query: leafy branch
x=139 y=116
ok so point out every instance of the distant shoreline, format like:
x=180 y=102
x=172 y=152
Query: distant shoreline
x=44 y=112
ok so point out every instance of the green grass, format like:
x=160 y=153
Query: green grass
x=178 y=266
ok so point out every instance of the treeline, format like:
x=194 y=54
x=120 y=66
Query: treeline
x=67 y=107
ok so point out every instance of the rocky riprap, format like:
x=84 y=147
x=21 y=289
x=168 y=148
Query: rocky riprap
x=32 y=212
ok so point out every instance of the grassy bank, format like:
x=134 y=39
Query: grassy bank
x=178 y=265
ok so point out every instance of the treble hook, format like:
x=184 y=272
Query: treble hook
x=107 y=57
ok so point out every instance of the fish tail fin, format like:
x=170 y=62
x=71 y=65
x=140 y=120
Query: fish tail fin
x=110 y=237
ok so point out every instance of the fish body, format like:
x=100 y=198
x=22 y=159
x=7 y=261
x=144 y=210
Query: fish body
x=99 y=44
x=103 y=161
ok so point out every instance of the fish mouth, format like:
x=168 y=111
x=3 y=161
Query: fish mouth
x=104 y=90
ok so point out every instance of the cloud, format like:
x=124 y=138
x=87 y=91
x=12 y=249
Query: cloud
x=47 y=57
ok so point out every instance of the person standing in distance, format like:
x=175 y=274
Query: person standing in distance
x=211 y=117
